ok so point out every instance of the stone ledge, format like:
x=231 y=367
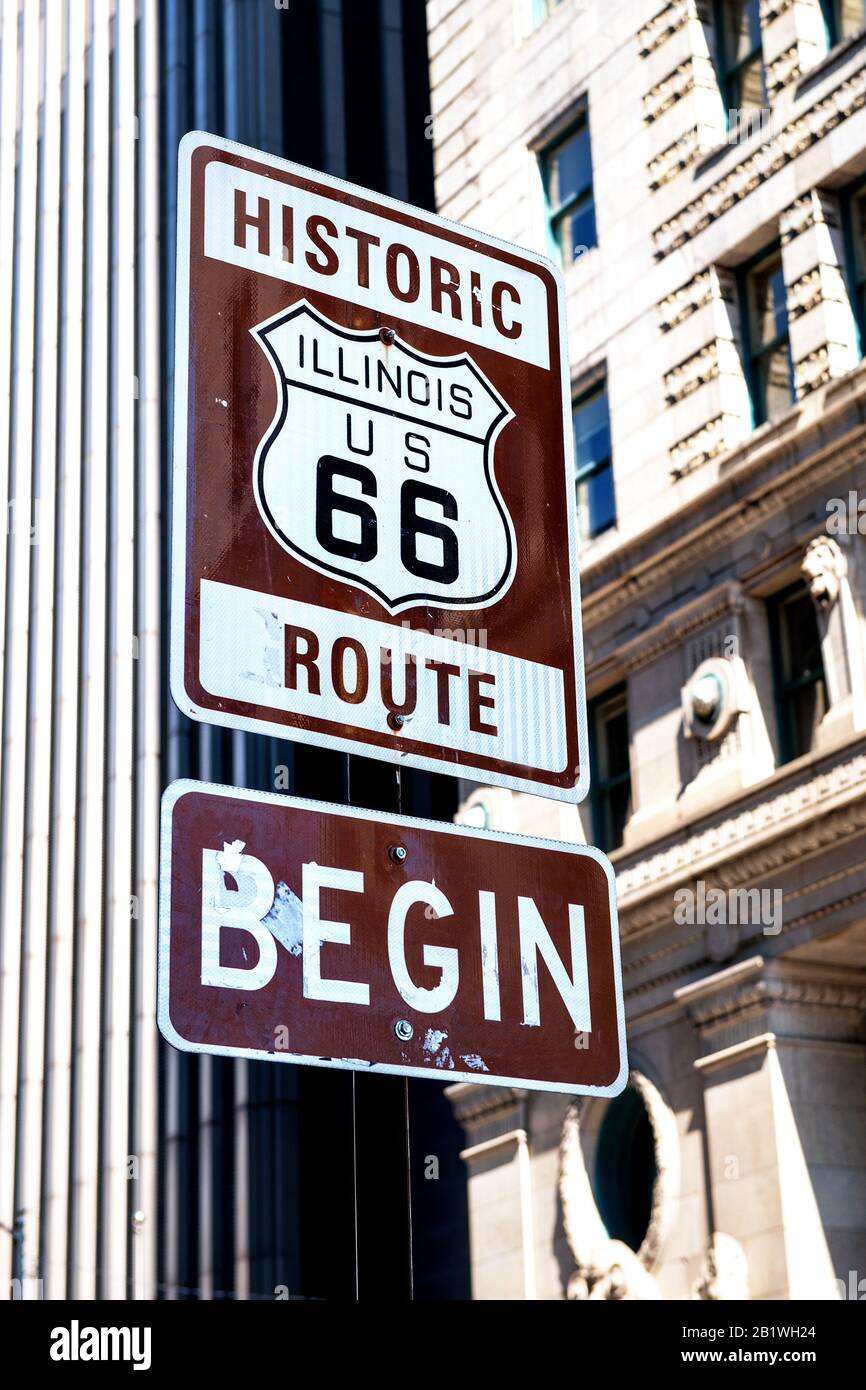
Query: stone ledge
x=760 y=480
x=697 y=370
x=664 y=25
x=687 y=300
x=671 y=162
x=775 y=814
x=774 y=9
x=783 y=70
x=698 y=448
x=693 y=72
x=762 y=998
x=478 y=1105
x=776 y=151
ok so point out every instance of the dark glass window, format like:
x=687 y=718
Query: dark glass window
x=625 y=1169
x=769 y=365
x=854 y=210
x=842 y=19
x=541 y=9
x=801 y=690
x=610 y=772
x=741 y=67
x=566 y=168
x=594 y=467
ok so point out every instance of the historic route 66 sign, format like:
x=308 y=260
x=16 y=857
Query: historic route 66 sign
x=378 y=467
x=373 y=503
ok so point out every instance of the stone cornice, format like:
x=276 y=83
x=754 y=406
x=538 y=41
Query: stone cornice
x=742 y=872
x=745 y=514
x=474 y=1105
x=773 y=9
x=813 y=371
x=671 y=89
x=817 y=207
x=693 y=952
x=783 y=70
x=678 y=306
x=660 y=952
x=806 y=293
x=779 y=996
x=664 y=25
x=758 y=980
x=776 y=151
x=725 y=510
x=699 y=447
x=670 y=162
x=780 y=829
x=693 y=372
x=672 y=631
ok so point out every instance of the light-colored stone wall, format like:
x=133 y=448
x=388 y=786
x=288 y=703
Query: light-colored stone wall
x=752 y=1033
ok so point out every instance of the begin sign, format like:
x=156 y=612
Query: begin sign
x=373 y=508
x=318 y=934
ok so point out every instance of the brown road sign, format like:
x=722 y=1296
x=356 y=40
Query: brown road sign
x=296 y=932
x=373 y=504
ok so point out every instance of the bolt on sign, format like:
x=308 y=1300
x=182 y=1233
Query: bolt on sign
x=373 y=529
x=300 y=932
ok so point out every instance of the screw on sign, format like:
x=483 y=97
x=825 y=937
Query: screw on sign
x=321 y=934
x=374 y=536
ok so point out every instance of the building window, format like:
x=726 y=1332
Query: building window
x=854 y=224
x=767 y=349
x=610 y=771
x=541 y=9
x=740 y=61
x=801 y=690
x=594 y=467
x=842 y=19
x=626 y=1169
x=566 y=169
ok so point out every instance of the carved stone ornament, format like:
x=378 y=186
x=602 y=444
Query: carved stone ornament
x=781 y=147
x=725 y=1273
x=823 y=568
x=606 y=1268
x=711 y=700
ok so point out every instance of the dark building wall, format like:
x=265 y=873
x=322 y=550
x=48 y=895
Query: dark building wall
x=275 y=1175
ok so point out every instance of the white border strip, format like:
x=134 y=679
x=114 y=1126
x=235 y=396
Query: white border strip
x=176 y=790
x=192 y=141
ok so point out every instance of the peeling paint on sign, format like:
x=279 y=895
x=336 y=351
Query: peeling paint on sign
x=286 y=919
x=282 y=914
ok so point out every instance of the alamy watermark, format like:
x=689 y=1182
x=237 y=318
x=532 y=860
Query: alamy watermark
x=744 y=122
x=26 y=1290
x=846 y=516
x=414 y=641
x=77 y=1343
x=702 y=906
x=18 y=519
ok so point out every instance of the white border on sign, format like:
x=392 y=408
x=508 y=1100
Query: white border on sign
x=176 y=790
x=193 y=140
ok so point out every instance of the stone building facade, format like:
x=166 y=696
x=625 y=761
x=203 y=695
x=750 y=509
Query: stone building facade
x=699 y=169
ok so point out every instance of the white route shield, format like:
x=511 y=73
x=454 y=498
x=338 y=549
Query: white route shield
x=378 y=467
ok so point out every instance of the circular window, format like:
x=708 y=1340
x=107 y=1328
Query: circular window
x=626 y=1169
